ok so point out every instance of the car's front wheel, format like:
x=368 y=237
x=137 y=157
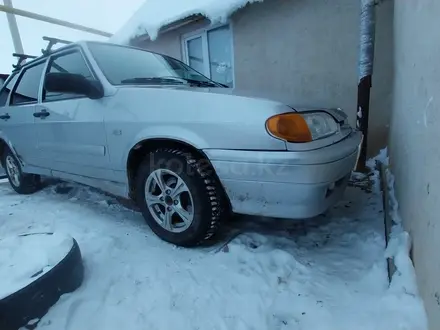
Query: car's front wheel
x=22 y=183
x=179 y=197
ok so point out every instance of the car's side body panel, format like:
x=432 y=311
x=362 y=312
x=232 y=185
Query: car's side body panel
x=195 y=117
x=109 y=186
x=72 y=138
x=19 y=131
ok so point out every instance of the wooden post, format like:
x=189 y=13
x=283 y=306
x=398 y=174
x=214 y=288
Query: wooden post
x=13 y=28
x=51 y=20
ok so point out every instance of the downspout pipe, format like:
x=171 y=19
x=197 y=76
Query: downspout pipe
x=366 y=62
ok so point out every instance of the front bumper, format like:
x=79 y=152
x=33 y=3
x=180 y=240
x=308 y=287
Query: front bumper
x=286 y=184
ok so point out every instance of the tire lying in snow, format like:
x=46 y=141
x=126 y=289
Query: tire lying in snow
x=35 y=270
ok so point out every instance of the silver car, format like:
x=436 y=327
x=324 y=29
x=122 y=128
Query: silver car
x=188 y=150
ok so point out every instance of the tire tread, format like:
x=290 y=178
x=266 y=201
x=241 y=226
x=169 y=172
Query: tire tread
x=211 y=188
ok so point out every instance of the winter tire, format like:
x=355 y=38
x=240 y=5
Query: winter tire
x=32 y=301
x=21 y=182
x=178 y=197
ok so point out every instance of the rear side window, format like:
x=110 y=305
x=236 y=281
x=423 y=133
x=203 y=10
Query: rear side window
x=69 y=63
x=4 y=93
x=28 y=85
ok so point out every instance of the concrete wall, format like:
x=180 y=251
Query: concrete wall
x=306 y=53
x=415 y=139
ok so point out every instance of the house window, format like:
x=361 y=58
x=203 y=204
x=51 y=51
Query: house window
x=210 y=53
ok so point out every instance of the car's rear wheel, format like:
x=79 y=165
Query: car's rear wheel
x=22 y=183
x=179 y=197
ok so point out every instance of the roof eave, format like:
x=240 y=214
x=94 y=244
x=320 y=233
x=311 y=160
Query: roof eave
x=169 y=27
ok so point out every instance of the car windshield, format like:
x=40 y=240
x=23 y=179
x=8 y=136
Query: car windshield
x=125 y=65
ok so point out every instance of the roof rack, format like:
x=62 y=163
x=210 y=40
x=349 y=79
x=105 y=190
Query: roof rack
x=21 y=59
x=53 y=42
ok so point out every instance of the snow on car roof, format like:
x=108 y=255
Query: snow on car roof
x=154 y=14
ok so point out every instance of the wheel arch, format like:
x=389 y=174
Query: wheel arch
x=4 y=145
x=138 y=152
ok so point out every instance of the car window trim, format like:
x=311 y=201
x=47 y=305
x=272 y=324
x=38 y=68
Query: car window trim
x=65 y=52
x=11 y=76
x=22 y=71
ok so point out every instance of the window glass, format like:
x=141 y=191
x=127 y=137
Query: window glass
x=211 y=53
x=69 y=63
x=125 y=65
x=220 y=55
x=195 y=54
x=4 y=93
x=28 y=85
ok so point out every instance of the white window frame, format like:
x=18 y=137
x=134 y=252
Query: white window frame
x=203 y=33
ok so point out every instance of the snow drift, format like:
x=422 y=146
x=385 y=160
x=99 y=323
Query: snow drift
x=154 y=14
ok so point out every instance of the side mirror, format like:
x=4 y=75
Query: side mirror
x=60 y=82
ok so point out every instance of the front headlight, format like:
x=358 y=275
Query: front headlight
x=301 y=127
x=320 y=124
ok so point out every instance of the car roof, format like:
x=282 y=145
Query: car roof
x=71 y=45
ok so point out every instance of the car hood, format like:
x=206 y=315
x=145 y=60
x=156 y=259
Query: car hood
x=274 y=96
x=282 y=99
x=264 y=94
x=216 y=118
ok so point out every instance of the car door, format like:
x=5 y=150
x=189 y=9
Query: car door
x=5 y=90
x=70 y=128
x=16 y=116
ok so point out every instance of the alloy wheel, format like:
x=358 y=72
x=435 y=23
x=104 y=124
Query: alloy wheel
x=169 y=200
x=13 y=170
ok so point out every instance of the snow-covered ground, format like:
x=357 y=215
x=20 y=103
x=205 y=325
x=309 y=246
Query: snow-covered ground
x=327 y=273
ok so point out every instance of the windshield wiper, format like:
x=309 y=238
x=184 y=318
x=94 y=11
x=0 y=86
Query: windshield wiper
x=199 y=83
x=169 y=80
x=152 y=80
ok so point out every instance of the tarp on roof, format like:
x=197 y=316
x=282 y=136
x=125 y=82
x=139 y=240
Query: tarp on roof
x=154 y=14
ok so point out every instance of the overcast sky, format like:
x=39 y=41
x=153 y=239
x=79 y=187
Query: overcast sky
x=106 y=15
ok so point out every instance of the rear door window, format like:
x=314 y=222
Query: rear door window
x=4 y=92
x=28 y=86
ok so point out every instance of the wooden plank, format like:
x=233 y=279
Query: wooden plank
x=51 y=20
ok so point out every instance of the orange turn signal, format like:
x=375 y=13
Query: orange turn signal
x=291 y=127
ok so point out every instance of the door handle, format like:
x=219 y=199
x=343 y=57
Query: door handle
x=42 y=114
x=5 y=116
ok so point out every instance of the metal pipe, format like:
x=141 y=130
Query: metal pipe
x=366 y=62
x=10 y=10
x=13 y=27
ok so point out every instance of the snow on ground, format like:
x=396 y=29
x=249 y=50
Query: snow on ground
x=399 y=245
x=154 y=14
x=25 y=258
x=326 y=273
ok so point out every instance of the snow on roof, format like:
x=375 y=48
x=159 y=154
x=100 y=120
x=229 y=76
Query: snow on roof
x=154 y=14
